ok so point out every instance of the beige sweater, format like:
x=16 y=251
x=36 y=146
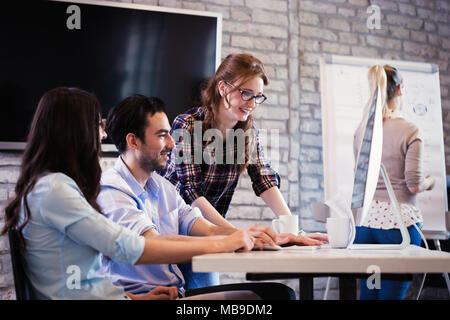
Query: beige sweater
x=402 y=157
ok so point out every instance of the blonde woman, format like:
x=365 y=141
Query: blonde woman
x=402 y=157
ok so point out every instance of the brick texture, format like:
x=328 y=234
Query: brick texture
x=289 y=36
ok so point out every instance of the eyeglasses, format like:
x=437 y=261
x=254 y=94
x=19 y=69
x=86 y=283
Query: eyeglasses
x=247 y=95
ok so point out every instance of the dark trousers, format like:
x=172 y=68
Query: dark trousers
x=265 y=290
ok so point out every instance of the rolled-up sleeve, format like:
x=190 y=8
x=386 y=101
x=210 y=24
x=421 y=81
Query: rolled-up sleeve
x=186 y=217
x=263 y=177
x=112 y=240
x=66 y=209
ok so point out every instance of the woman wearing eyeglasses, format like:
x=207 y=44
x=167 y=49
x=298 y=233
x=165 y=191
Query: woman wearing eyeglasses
x=228 y=146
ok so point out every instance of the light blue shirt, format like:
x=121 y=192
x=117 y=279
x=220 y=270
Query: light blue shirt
x=158 y=206
x=65 y=239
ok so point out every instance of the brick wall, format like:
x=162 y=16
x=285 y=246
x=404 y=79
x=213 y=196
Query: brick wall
x=289 y=36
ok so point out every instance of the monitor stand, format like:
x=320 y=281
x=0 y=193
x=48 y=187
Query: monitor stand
x=406 y=241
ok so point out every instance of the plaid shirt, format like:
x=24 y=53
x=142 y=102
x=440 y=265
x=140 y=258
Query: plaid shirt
x=216 y=181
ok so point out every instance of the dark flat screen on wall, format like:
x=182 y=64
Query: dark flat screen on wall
x=114 y=52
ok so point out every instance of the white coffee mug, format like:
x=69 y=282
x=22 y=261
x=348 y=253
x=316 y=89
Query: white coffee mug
x=286 y=224
x=338 y=230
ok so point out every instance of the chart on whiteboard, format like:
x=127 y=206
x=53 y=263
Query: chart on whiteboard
x=422 y=106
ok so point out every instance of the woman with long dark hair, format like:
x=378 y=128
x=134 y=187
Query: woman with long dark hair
x=55 y=210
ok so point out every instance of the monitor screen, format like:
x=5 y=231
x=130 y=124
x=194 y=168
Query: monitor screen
x=363 y=139
x=369 y=138
x=117 y=51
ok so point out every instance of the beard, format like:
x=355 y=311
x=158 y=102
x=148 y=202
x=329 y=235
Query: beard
x=151 y=163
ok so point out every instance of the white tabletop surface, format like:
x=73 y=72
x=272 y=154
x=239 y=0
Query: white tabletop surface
x=412 y=259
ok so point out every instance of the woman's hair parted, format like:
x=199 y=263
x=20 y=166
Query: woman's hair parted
x=235 y=69
x=388 y=79
x=63 y=137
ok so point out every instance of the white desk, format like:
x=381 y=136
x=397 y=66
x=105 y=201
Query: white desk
x=298 y=262
x=413 y=259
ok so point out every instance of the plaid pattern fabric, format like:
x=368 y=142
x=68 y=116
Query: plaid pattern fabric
x=216 y=181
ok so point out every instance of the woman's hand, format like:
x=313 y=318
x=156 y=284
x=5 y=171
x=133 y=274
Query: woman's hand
x=430 y=182
x=158 y=293
x=318 y=236
x=314 y=239
x=427 y=184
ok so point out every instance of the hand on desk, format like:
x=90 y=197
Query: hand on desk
x=158 y=293
x=311 y=239
x=265 y=235
x=262 y=235
x=318 y=236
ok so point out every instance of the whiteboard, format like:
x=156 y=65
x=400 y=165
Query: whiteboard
x=345 y=92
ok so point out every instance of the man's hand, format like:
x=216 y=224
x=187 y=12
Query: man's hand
x=240 y=241
x=262 y=235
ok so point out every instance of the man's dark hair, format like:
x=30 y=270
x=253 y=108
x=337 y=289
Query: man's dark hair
x=130 y=116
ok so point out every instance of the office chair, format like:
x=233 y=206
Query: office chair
x=21 y=282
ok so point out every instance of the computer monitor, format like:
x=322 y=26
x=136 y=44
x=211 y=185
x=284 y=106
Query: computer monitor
x=369 y=145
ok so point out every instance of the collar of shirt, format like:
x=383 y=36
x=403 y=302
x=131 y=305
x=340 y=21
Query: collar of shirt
x=151 y=187
x=150 y=191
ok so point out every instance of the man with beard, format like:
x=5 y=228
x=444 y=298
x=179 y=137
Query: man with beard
x=136 y=197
